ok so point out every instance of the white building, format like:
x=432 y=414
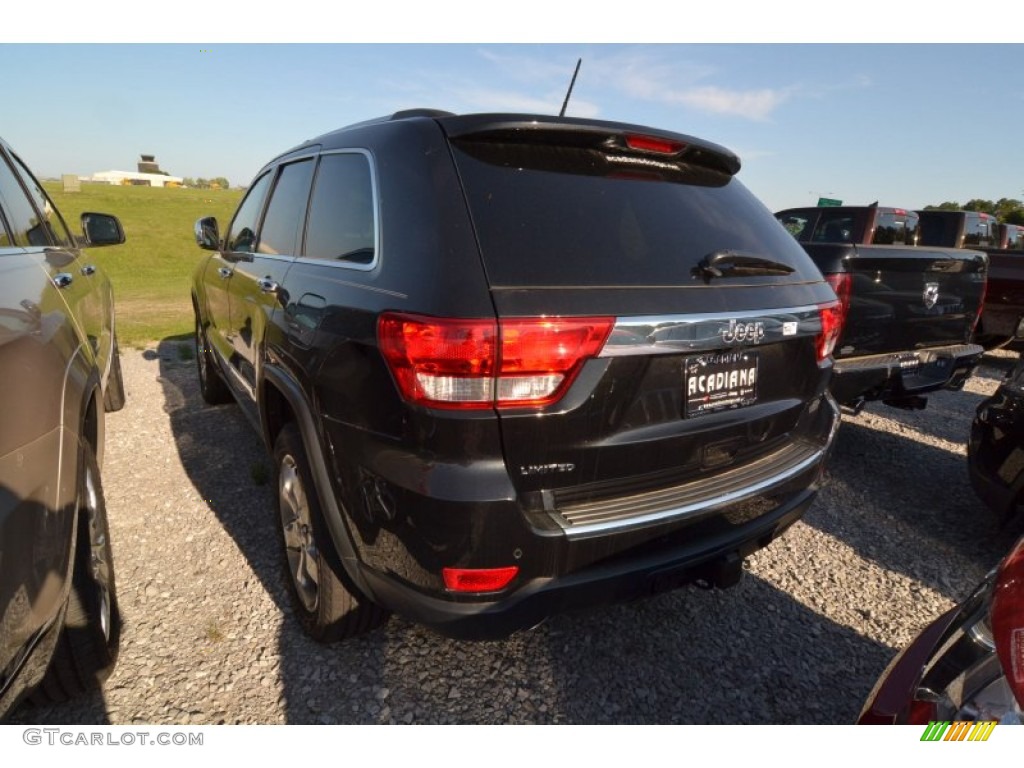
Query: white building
x=149 y=174
x=134 y=177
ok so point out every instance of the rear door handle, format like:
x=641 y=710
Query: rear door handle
x=225 y=272
x=88 y=270
x=63 y=279
x=267 y=285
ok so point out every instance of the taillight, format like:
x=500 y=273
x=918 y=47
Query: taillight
x=981 y=304
x=922 y=712
x=842 y=284
x=1007 y=618
x=519 y=362
x=833 y=316
x=478 y=579
x=831 y=326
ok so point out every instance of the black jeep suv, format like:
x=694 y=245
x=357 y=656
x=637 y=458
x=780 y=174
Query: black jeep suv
x=59 y=373
x=512 y=364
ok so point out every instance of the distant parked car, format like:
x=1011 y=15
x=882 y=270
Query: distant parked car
x=59 y=620
x=995 y=451
x=511 y=364
x=967 y=665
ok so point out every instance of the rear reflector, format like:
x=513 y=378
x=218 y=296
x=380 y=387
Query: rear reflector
x=922 y=712
x=454 y=363
x=1008 y=619
x=478 y=579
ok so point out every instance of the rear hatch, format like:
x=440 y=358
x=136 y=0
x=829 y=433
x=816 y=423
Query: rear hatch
x=711 y=310
x=902 y=298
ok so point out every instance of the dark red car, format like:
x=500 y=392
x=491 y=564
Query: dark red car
x=966 y=665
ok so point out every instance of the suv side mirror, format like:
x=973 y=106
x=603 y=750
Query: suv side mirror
x=102 y=229
x=207 y=234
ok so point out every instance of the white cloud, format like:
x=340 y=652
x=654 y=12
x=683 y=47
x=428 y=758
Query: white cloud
x=537 y=82
x=682 y=82
x=755 y=105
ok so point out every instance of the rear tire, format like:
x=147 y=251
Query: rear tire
x=89 y=641
x=113 y=395
x=211 y=385
x=328 y=606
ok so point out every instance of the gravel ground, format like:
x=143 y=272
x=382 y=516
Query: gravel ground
x=896 y=537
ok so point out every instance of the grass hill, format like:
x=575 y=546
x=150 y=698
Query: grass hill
x=152 y=271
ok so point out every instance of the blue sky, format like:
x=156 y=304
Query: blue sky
x=905 y=124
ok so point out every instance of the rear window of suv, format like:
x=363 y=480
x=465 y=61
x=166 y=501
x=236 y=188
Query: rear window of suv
x=550 y=216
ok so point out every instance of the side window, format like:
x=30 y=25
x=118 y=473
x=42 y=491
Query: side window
x=795 y=225
x=342 y=223
x=25 y=224
x=889 y=230
x=833 y=228
x=52 y=220
x=5 y=238
x=242 y=235
x=895 y=228
x=913 y=228
x=283 y=221
x=977 y=230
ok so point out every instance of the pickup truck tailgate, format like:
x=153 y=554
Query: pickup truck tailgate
x=904 y=298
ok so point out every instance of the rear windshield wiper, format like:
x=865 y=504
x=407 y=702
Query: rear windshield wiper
x=726 y=263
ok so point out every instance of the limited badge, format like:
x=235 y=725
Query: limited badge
x=931 y=295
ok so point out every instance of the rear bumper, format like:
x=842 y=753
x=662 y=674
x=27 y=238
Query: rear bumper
x=648 y=571
x=903 y=374
x=563 y=569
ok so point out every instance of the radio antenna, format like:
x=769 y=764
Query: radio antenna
x=571 y=84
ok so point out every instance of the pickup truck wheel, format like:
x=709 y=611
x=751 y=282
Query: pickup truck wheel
x=328 y=607
x=87 y=648
x=113 y=395
x=211 y=385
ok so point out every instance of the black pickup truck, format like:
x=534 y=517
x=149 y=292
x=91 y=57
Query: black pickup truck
x=1002 y=320
x=910 y=311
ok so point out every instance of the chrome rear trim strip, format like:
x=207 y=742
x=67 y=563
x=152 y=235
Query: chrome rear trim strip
x=672 y=334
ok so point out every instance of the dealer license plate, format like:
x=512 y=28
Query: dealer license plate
x=720 y=381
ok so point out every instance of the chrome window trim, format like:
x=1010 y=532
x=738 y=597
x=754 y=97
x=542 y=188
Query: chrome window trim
x=377 y=236
x=702 y=332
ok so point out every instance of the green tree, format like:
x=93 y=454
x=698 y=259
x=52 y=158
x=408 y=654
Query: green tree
x=982 y=206
x=1006 y=207
x=947 y=206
